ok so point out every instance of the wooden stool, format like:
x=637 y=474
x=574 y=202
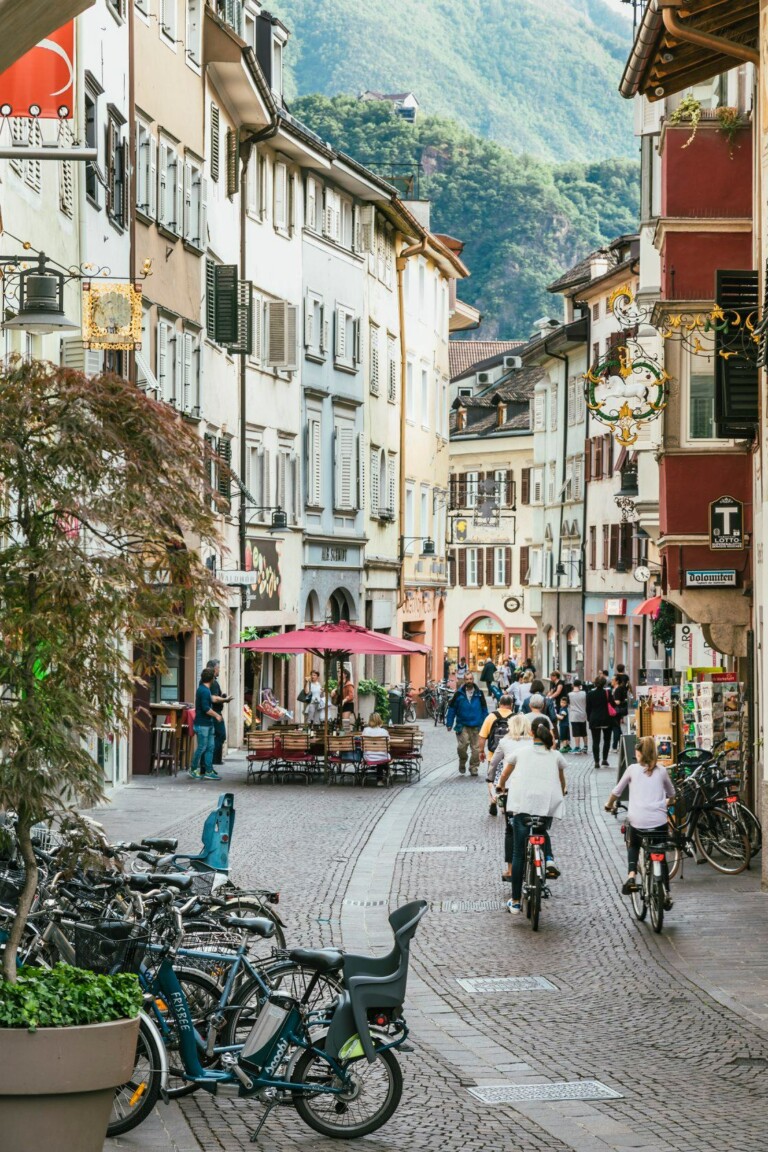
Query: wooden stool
x=164 y=750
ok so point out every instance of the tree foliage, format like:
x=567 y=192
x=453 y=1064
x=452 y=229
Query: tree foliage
x=540 y=76
x=104 y=499
x=523 y=221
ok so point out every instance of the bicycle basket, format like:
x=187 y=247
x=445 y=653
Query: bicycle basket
x=202 y=882
x=110 y=945
x=218 y=941
x=11 y=883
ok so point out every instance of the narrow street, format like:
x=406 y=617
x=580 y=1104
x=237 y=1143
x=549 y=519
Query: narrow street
x=672 y=1029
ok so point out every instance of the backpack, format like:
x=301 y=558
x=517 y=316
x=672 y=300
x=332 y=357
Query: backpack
x=499 y=728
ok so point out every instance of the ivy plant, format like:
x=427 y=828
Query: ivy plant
x=64 y=997
x=372 y=687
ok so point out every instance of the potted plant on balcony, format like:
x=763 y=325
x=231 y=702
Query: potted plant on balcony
x=105 y=502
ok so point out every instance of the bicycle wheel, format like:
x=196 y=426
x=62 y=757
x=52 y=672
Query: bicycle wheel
x=370 y=1101
x=674 y=858
x=429 y=705
x=638 y=898
x=291 y=980
x=410 y=714
x=722 y=841
x=134 y=1100
x=656 y=898
x=752 y=827
x=535 y=899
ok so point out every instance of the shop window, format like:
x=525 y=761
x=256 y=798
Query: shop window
x=701 y=398
x=167 y=685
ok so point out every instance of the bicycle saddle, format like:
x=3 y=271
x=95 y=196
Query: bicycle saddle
x=159 y=844
x=261 y=925
x=319 y=959
x=144 y=881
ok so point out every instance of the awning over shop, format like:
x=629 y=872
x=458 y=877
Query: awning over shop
x=649 y=607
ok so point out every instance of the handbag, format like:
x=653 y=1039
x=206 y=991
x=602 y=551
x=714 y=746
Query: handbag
x=611 y=710
x=304 y=697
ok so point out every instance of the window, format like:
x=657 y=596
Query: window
x=257 y=457
x=165 y=363
x=91 y=141
x=281 y=335
x=170 y=188
x=409 y=511
x=539 y=407
x=377 y=464
x=472 y=480
x=315 y=326
x=535 y=567
x=287 y=482
x=424 y=398
x=473 y=567
x=194 y=30
x=606 y=547
x=347 y=224
x=596 y=311
x=277 y=66
x=280 y=213
x=500 y=480
x=501 y=567
x=551 y=482
x=313 y=205
x=577 y=488
x=346 y=349
x=553 y=409
x=146 y=171
x=255 y=186
x=195 y=195
x=701 y=398
x=391 y=369
x=168 y=20
x=215 y=142
x=314 y=463
x=332 y=215
x=344 y=457
x=525 y=563
x=593 y=547
x=424 y=527
x=373 y=358
x=410 y=398
x=116 y=175
x=391 y=484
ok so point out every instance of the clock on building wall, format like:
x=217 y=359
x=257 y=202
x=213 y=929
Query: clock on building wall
x=111 y=315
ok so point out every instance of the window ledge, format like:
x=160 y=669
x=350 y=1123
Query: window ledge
x=195 y=249
x=164 y=230
x=315 y=357
x=341 y=366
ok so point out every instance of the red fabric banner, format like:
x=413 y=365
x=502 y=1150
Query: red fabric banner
x=42 y=83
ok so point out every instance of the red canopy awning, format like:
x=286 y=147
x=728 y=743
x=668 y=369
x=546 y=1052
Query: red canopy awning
x=649 y=607
x=335 y=639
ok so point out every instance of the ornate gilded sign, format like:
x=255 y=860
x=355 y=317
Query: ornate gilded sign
x=111 y=315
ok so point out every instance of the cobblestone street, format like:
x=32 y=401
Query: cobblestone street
x=673 y=1026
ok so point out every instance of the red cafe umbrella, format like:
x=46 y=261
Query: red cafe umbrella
x=334 y=641
x=649 y=607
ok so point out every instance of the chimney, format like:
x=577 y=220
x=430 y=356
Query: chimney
x=421 y=210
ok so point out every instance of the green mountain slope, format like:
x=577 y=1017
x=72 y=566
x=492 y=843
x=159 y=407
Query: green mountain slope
x=523 y=221
x=537 y=75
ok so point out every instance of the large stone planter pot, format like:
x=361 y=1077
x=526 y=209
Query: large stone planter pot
x=366 y=704
x=57 y=1084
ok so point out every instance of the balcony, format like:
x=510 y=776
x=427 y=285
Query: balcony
x=726 y=191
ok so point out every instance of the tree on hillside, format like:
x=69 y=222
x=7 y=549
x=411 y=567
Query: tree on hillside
x=103 y=495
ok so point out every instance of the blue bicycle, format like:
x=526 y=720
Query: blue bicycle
x=333 y=1062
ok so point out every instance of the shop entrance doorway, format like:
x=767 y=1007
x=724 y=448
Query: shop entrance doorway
x=485 y=642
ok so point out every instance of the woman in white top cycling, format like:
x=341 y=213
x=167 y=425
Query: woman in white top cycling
x=535 y=783
x=650 y=792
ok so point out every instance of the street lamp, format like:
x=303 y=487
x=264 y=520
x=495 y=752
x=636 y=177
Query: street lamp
x=560 y=567
x=279 y=519
x=41 y=298
x=427 y=546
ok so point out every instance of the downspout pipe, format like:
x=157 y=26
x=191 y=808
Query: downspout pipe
x=563 y=360
x=688 y=35
x=404 y=255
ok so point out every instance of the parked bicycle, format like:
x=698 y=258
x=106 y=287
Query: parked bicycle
x=444 y=694
x=700 y=824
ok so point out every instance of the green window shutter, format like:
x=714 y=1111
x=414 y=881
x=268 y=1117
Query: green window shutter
x=243 y=346
x=210 y=299
x=224 y=470
x=215 y=133
x=233 y=152
x=736 y=355
x=226 y=305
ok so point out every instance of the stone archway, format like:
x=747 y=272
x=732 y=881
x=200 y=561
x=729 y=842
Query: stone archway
x=312 y=610
x=340 y=606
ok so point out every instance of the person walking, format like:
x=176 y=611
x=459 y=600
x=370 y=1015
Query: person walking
x=620 y=701
x=600 y=720
x=219 y=700
x=461 y=670
x=577 y=716
x=487 y=675
x=315 y=710
x=650 y=791
x=205 y=719
x=467 y=710
x=521 y=689
x=535 y=784
x=347 y=701
x=494 y=728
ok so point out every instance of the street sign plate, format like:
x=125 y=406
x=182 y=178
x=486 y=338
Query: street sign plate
x=726 y=524
x=717 y=578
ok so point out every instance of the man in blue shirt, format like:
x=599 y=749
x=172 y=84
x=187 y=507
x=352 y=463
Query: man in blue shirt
x=467 y=710
x=206 y=720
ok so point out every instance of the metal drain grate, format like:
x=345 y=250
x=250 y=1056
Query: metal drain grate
x=564 y=1090
x=439 y=848
x=365 y=903
x=487 y=985
x=468 y=906
x=751 y=1061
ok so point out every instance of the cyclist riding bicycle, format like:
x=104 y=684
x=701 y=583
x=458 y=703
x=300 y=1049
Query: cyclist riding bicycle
x=650 y=792
x=536 y=776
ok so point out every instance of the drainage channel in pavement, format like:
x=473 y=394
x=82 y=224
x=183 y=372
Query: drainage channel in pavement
x=560 y=1090
x=489 y=985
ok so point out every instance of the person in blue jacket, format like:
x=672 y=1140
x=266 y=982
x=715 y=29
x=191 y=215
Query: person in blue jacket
x=466 y=711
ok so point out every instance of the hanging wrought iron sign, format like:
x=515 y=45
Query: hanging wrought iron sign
x=628 y=386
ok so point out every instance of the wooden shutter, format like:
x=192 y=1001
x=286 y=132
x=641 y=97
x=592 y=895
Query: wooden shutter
x=613 y=558
x=233 y=152
x=314 y=475
x=462 y=567
x=344 y=456
x=507 y=567
x=361 y=457
x=608 y=454
x=309 y=322
x=224 y=452
x=210 y=299
x=593 y=548
x=392 y=484
x=461 y=491
x=453 y=573
x=186 y=371
x=453 y=489
x=509 y=488
x=525 y=563
x=606 y=547
x=163 y=191
x=374 y=481
x=226 y=304
x=282 y=320
x=597 y=470
x=626 y=538
x=736 y=376
x=489 y=566
x=280 y=206
x=374 y=366
x=588 y=462
x=525 y=486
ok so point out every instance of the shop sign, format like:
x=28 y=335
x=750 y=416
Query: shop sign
x=691 y=650
x=615 y=608
x=716 y=578
x=262 y=561
x=726 y=524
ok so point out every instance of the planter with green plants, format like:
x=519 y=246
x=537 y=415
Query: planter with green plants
x=372 y=697
x=67 y=1040
x=107 y=509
